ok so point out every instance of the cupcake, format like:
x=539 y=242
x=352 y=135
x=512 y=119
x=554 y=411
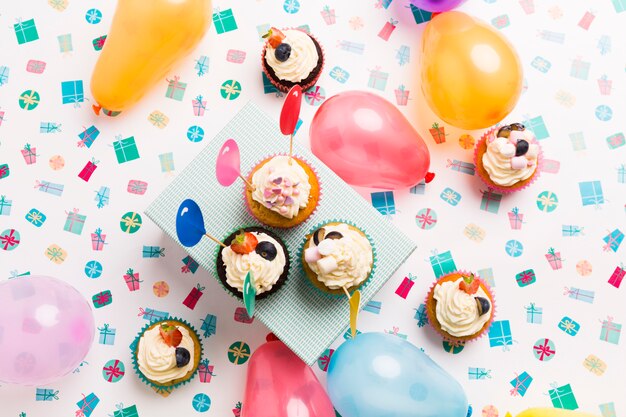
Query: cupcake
x=337 y=256
x=460 y=307
x=286 y=191
x=508 y=160
x=166 y=354
x=291 y=57
x=256 y=250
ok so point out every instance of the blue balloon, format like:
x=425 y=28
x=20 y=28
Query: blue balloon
x=189 y=223
x=382 y=375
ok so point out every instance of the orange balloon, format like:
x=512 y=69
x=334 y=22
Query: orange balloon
x=146 y=38
x=471 y=75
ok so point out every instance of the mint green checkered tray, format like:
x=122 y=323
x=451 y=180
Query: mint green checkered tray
x=303 y=318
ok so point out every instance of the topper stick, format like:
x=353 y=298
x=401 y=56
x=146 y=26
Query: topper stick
x=248 y=183
x=219 y=242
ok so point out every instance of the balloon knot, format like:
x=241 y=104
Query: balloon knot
x=271 y=337
x=96 y=109
x=429 y=177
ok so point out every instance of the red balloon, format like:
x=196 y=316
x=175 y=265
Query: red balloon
x=291 y=110
x=279 y=384
x=368 y=142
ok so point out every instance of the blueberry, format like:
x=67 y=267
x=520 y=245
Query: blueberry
x=182 y=357
x=267 y=250
x=483 y=305
x=334 y=235
x=319 y=235
x=521 y=148
x=282 y=52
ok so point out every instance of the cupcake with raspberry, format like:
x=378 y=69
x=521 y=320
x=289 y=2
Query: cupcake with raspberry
x=285 y=191
x=460 y=307
x=508 y=159
x=291 y=57
x=166 y=354
x=257 y=251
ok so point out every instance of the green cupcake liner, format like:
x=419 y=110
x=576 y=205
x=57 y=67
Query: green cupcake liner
x=157 y=387
x=301 y=250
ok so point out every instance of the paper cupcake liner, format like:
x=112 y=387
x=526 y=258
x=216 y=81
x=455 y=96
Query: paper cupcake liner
x=447 y=337
x=275 y=288
x=306 y=276
x=299 y=158
x=163 y=389
x=305 y=87
x=484 y=176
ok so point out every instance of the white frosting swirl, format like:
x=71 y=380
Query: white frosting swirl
x=457 y=312
x=157 y=360
x=497 y=161
x=264 y=272
x=353 y=255
x=282 y=187
x=302 y=60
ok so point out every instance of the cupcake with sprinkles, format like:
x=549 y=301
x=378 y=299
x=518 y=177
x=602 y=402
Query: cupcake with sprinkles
x=460 y=307
x=292 y=57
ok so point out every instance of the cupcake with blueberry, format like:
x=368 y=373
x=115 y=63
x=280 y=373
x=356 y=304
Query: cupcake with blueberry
x=285 y=191
x=338 y=257
x=166 y=354
x=291 y=57
x=255 y=250
x=460 y=307
x=507 y=159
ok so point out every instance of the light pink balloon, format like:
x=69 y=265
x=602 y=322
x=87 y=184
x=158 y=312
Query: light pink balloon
x=279 y=384
x=368 y=142
x=227 y=167
x=46 y=330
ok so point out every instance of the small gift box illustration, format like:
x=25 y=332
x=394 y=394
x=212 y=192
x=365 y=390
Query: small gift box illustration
x=354 y=47
x=461 y=166
x=474 y=232
x=35 y=67
x=239 y=353
x=578 y=141
x=324 y=360
x=158 y=119
x=591 y=193
x=605 y=85
x=86 y=173
x=189 y=265
x=328 y=15
x=500 y=22
x=205 y=371
x=46 y=394
x=151 y=314
x=613 y=240
x=421 y=316
x=551 y=36
x=74 y=222
x=25 y=31
x=420 y=16
x=125 y=412
x=224 y=21
x=4 y=75
x=586 y=20
x=72 y=92
x=9 y=239
x=621 y=174
x=5 y=206
x=486 y=275
x=616 y=140
x=373 y=306
x=453 y=347
x=237 y=410
x=419 y=188
x=137 y=187
x=87 y=405
x=29 y=155
x=176 y=89
x=450 y=196
x=569 y=326
x=580 y=69
x=594 y=365
x=528 y=6
x=348 y=334
x=235 y=56
x=209 y=325
x=152 y=251
x=202 y=65
x=563 y=397
x=268 y=87
x=107 y=335
x=5 y=171
x=49 y=127
x=403 y=56
x=56 y=254
x=46 y=186
x=571 y=230
x=534 y=314
x=88 y=136
x=339 y=74
x=378 y=79
x=102 y=197
x=388 y=29
x=98 y=240
x=619 y=5
x=426 y=218
x=490 y=201
x=167 y=161
x=402 y=95
x=131 y=278
x=515 y=218
x=199 y=106
x=544 y=349
x=541 y=64
x=101 y=299
x=610 y=331
x=384 y=202
x=554 y=259
x=405 y=286
x=65 y=43
x=538 y=127
x=520 y=384
x=617 y=276
x=126 y=150
x=500 y=334
x=29 y=100
x=478 y=373
x=580 y=294
x=526 y=278
x=241 y=316
x=394 y=331
x=194 y=295
x=442 y=263
x=98 y=43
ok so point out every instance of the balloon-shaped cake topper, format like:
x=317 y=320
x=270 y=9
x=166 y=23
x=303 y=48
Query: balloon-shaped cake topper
x=290 y=114
x=249 y=294
x=228 y=164
x=190 y=224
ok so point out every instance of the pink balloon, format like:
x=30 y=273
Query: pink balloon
x=228 y=163
x=368 y=142
x=46 y=330
x=279 y=384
